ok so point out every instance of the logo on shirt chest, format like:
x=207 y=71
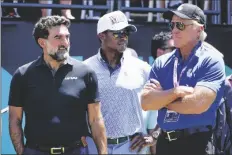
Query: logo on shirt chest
x=190 y=73
x=71 y=78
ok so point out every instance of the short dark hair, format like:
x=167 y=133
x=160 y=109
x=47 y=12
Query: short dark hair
x=160 y=40
x=41 y=27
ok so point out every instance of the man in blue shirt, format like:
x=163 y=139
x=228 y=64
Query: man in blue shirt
x=186 y=86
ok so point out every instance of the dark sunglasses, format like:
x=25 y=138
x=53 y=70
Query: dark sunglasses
x=179 y=25
x=168 y=48
x=120 y=34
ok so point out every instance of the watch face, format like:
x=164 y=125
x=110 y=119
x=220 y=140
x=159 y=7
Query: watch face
x=155 y=134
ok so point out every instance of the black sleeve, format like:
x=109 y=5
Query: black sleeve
x=92 y=88
x=16 y=90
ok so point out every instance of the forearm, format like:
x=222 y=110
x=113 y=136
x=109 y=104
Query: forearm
x=99 y=136
x=153 y=149
x=157 y=99
x=196 y=103
x=187 y=105
x=16 y=134
x=181 y=108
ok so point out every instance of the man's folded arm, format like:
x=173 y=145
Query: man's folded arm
x=196 y=103
x=152 y=99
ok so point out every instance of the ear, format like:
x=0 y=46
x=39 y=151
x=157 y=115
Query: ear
x=200 y=28
x=41 y=42
x=101 y=36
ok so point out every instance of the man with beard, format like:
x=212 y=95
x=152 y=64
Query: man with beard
x=120 y=78
x=55 y=92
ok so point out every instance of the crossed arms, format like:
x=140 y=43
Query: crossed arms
x=196 y=103
x=182 y=99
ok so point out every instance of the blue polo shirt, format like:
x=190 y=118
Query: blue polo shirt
x=204 y=67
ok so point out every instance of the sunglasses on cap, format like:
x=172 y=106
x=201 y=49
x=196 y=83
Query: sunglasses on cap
x=179 y=25
x=120 y=34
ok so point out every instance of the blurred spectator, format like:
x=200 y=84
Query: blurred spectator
x=207 y=5
x=161 y=43
x=29 y=13
x=9 y=12
x=223 y=128
x=138 y=15
x=64 y=12
x=160 y=4
x=96 y=14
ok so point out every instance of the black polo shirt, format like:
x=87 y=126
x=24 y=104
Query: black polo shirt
x=55 y=106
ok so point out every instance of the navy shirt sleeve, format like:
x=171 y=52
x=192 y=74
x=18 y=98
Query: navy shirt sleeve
x=92 y=88
x=16 y=90
x=212 y=73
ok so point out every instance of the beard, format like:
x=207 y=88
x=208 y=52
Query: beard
x=60 y=54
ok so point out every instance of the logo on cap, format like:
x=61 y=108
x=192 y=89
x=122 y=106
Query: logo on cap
x=180 y=8
x=117 y=19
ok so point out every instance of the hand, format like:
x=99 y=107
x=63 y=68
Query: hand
x=140 y=141
x=182 y=91
x=153 y=84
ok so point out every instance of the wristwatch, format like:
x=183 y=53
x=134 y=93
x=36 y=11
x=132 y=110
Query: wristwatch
x=155 y=134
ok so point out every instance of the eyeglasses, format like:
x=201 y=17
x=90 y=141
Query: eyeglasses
x=179 y=25
x=120 y=34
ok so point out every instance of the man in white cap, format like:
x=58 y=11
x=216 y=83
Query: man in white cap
x=121 y=78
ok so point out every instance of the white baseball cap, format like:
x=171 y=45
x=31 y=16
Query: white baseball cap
x=114 y=21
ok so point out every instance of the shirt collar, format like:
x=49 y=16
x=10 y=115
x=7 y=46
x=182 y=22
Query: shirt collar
x=101 y=59
x=40 y=61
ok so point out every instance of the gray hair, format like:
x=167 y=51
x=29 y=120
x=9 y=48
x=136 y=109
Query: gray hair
x=203 y=34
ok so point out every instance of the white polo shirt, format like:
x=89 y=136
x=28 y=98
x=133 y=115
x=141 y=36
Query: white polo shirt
x=120 y=94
